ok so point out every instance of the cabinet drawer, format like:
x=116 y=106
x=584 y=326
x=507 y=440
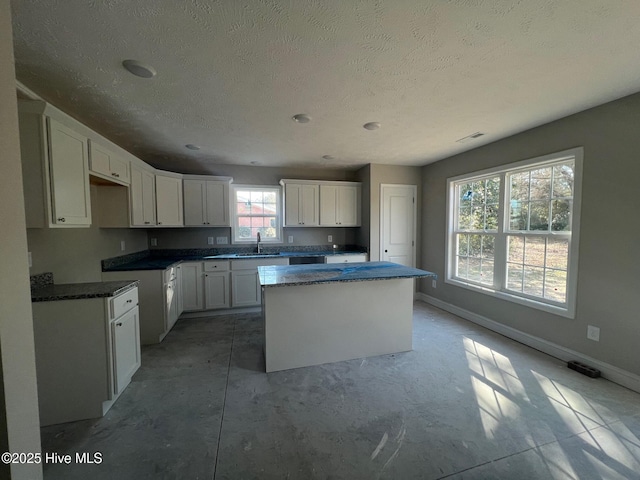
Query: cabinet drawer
x=123 y=303
x=216 y=266
x=346 y=258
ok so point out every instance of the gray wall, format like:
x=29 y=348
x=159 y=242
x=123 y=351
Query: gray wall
x=22 y=432
x=74 y=254
x=608 y=283
x=197 y=237
x=379 y=174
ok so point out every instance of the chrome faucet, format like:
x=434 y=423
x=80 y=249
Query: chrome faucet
x=259 y=246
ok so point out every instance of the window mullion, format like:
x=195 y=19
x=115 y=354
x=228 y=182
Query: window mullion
x=500 y=255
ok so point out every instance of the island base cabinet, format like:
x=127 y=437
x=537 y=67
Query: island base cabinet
x=216 y=287
x=245 y=291
x=320 y=323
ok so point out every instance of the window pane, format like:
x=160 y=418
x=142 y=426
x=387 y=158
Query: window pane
x=256 y=197
x=555 y=285
x=516 y=249
x=465 y=193
x=486 y=271
x=492 y=217
x=463 y=245
x=563 y=180
x=557 y=254
x=478 y=192
x=539 y=216
x=493 y=190
x=514 y=277
x=462 y=267
x=477 y=213
x=519 y=215
x=541 y=184
x=474 y=270
x=475 y=245
x=533 y=281
x=464 y=217
x=561 y=215
x=534 y=251
x=520 y=186
x=269 y=197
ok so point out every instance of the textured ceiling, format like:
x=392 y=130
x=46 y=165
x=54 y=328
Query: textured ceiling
x=231 y=73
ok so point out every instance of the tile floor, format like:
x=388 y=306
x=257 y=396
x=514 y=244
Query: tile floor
x=464 y=404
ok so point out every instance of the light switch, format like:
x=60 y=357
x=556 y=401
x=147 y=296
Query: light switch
x=222 y=240
x=210 y=240
x=30 y=260
x=290 y=238
x=329 y=238
x=154 y=242
x=122 y=246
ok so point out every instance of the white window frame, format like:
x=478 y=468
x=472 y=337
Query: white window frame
x=500 y=261
x=234 y=213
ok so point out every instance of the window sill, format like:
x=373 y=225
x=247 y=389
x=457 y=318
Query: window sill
x=560 y=311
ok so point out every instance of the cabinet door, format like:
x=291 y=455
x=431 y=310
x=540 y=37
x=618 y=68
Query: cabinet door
x=245 y=288
x=108 y=164
x=171 y=305
x=216 y=288
x=69 y=176
x=346 y=258
x=192 y=288
x=195 y=203
x=169 y=201
x=328 y=205
x=301 y=205
x=179 y=303
x=348 y=205
x=125 y=335
x=217 y=204
x=143 y=198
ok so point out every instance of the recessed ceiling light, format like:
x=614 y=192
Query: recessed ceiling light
x=372 y=125
x=139 y=69
x=301 y=118
x=191 y=146
x=328 y=157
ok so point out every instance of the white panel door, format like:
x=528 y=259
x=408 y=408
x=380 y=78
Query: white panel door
x=397 y=224
x=169 y=212
x=216 y=287
x=126 y=348
x=192 y=286
x=195 y=200
x=218 y=204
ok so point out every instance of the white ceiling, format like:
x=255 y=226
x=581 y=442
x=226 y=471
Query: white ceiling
x=232 y=73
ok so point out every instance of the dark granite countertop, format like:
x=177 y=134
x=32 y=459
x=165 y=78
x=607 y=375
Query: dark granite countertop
x=283 y=275
x=162 y=262
x=78 y=291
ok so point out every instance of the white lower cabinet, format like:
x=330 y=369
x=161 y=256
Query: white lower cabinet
x=205 y=285
x=354 y=258
x=245 y=284
x=87 y=350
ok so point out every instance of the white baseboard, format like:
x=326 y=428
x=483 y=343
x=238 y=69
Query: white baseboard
x=216 y=313
x=610 y=372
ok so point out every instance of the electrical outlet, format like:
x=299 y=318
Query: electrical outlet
x=330 y=238
x=210 y=240
x=290 y=238
x=30 y=260
x=222 y=240
x=593 y=333
x=433 y=284
x=122 y=246
x=154 y=242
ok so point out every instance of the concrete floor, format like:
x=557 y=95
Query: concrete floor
x=464 y=404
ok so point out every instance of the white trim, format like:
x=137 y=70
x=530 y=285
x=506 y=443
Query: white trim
x=414 y=189
x=608 y=371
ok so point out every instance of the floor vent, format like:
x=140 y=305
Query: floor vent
x=584 y=369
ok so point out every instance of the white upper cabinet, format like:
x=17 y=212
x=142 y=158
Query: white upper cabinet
x=309 y=203
x=206 y=202
x=107 y=164
x=301 y=205
x=340 y=205
x=55 y=170
x=169 y=212
x=142 y=197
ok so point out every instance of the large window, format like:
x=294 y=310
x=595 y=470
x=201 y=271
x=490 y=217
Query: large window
x=256 y=209
x=513 y=231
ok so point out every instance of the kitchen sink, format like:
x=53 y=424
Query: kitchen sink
x=257 y=254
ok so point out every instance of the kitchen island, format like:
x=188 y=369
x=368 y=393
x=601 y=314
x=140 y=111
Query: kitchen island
x=315 y=314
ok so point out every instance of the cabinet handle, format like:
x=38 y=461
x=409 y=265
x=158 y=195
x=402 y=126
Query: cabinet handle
x=115 y=174
x=159 y=223
x=129 y=301
x=62 y=219
x=204 y=223
x=119 y=324
x=147 y=223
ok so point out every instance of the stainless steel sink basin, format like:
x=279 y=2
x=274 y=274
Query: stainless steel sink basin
x=257 y=254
